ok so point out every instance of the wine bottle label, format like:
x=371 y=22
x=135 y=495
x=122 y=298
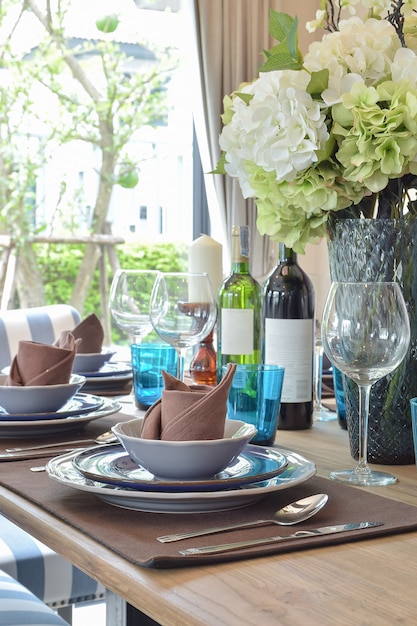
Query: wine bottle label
x=237 y=331
x=290 y=343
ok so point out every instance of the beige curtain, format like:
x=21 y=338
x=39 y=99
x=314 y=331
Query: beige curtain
x=228 y=37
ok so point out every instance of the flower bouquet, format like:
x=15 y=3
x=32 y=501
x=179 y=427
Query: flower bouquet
x=333 y=133
x=322 y=140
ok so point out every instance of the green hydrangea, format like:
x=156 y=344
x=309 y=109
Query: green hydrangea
x=383 y=137
x=296 y=212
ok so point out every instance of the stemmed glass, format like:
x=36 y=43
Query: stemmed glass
x=182 y=311
x=321 y=284
x=366 y=333
x=130 y=294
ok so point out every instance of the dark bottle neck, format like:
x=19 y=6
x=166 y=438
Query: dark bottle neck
x=286 y=255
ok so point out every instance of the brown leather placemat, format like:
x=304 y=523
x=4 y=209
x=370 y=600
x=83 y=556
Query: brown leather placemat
x=132 y=534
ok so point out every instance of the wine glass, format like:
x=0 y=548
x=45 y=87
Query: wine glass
x=366 y=333
x=321 y=284
x=182 y=311
x=130 y=294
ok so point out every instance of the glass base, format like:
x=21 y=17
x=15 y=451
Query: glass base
x=321 y=414
x=363 y=479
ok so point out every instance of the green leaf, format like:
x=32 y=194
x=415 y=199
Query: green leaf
x=280 y=48
x=280 y=25
x=280 y=62
x=319 y=82
x=219 y=169
x=286 y=55
x=292 y=39
x=246 y=97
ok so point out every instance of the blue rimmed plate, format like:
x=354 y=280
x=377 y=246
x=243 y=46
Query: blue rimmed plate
x=112 y=465
x=112 y=377
x=80 y=404
x=298 y=470
x=111 y=369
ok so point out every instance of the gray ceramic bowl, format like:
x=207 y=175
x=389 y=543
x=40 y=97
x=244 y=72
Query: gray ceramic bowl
x=185 y=460
x=43 y=399
x=84 y=363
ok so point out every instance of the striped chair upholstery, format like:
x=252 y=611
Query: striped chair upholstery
x=43 y=324
x=19 y=607
x=47 y=575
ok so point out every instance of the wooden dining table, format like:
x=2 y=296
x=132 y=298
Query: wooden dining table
x=369 y=582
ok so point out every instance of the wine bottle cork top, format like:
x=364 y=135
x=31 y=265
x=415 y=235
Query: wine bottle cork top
x=240 y=243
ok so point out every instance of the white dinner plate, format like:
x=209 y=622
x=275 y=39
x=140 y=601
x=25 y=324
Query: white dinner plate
x=39 y=428
x=298 y=470
x=112 y=465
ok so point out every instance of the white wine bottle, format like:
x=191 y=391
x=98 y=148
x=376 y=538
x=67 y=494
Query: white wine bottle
x=288 y=317
x=239 y=326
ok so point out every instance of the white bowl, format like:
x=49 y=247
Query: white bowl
x=92 y=362
x=185 y=460
x=27 y=400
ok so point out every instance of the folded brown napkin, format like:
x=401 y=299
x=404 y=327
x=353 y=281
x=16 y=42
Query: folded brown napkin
x=188 y=412
x=43 y=364
x=91 y=333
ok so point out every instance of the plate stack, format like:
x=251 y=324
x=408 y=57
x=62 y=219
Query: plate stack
x=109 y=473
x=103 y=375
x=72 y=416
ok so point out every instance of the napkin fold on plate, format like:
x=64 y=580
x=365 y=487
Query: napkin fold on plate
x=188 y=412
x=91 y=333
x=38 y=364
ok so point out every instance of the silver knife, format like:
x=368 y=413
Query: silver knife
x=300 y=534
x=35 y=454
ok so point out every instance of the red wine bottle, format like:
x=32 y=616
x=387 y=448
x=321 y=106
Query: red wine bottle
x=288 y=318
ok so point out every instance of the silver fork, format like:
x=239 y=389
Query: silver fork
x=107 y=437
x=50 y=445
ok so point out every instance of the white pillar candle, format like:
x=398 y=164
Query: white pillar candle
x=206 y=255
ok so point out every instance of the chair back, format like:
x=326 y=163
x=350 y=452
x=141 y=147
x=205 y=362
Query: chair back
x=43 y=324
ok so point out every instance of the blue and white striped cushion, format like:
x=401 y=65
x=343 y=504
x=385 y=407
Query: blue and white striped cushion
x=50 y=577
x=19 y=607
x=42 y=324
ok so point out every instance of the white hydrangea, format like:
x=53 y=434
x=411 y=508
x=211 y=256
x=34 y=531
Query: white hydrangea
x=404 y=67
x=366 y=49
x=313 y=25
x=339 y=83
x=280 y=129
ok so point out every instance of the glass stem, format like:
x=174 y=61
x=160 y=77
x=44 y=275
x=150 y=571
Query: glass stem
x=181 y=362
x=318 y=370
x=364 y=394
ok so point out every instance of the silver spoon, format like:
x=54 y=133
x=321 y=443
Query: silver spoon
x=290 y=514
x=107 y=437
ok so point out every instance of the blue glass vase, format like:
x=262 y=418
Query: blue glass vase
x=367 y=250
